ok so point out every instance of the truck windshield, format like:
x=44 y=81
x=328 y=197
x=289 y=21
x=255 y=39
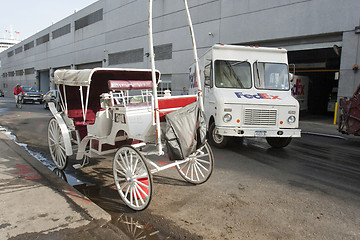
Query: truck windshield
x=271 y=76
x=232 y=74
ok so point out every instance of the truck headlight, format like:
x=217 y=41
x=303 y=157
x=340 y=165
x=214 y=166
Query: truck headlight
x=291 y=119
x=227 y=117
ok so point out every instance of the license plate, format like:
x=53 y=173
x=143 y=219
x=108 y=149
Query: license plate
x=260 y=133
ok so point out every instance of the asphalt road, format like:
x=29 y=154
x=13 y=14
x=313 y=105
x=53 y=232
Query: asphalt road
x=309 y=190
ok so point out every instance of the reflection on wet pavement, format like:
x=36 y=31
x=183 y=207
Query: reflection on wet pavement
x=136 y=229
x=133 y=228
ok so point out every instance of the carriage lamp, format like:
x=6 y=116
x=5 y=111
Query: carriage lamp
x=119 y=117
x=227 y=117
x=291 y=119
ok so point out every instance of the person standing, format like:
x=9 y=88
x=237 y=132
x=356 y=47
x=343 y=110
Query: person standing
x=184 y=92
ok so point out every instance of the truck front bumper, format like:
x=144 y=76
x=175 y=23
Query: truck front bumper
x=256 y=132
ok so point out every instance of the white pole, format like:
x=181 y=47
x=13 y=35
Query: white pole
x=197 y=70
x=153 y=74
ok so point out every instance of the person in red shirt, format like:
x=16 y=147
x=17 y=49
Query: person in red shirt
x=17 y=91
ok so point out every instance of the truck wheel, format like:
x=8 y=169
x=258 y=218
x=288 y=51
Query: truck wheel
x=278 y=142
x=215 y=139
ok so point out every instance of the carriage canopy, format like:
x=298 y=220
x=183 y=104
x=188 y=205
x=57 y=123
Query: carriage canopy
x=73 y=77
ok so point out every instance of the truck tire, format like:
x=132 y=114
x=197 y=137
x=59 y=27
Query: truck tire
x=278 y=142
x=215 y=139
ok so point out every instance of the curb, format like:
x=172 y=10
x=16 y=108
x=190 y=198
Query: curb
x=57 y=184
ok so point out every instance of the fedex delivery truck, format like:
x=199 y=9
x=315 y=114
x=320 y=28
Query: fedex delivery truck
x=300 y=90
x=247 y=94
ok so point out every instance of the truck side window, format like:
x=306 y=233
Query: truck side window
x=232 y=74
x=208 y=75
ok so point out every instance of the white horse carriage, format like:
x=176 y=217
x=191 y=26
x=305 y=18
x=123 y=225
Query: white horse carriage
x=106 y=110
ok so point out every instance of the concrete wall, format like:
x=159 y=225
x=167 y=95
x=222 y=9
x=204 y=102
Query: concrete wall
x=296 y=24
x=350 y=56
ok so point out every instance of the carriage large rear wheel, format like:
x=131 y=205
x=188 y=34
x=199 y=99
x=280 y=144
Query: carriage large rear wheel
x=132 y=178
x=199 y=167
x=57 y=145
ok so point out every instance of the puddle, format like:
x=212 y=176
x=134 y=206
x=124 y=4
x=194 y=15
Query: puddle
x=133 y=228
x=136 y=229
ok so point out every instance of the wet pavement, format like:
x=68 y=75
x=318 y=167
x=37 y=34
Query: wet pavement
x=252 y=193
x=126 y=225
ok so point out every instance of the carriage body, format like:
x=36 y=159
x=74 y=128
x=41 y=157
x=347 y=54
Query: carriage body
x=103 y=109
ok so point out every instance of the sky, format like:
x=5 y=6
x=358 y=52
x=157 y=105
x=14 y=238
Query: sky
x=28 y=17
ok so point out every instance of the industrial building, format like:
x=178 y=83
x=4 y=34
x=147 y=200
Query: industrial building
x=322 y=38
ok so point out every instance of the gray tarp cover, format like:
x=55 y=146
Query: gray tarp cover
x=185 y=131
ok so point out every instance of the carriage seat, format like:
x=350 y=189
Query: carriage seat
x=77 y=116
x=170 y=104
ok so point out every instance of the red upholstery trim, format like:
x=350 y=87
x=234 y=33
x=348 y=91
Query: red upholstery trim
x=167 y=105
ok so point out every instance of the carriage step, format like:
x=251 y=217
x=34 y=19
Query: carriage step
x=77 y=166
x=84 y=162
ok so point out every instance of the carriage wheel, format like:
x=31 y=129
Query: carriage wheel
x=200 y=166
x=57 y=145
x=132 y=178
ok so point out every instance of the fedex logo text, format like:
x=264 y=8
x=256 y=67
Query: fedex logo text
x=298 y=88
x=257 y=96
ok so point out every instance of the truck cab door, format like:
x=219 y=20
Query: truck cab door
x=209 y=100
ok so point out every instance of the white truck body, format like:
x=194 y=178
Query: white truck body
x=300 y=90
x=237 y=100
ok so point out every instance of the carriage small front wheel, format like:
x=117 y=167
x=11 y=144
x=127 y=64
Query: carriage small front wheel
x=132 y=178
x=199 y=167
x=57 y=145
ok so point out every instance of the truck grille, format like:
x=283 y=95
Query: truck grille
x=260 y=117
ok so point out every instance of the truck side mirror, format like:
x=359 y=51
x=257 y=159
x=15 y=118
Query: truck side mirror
x=291 y=77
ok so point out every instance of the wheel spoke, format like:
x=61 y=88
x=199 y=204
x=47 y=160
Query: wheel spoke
x=135 y=166
x=136 y=197
x=198 y=169
x=121 y=172
x=127 y=191
x=124 y=185
x=200 y=165
x=127 y=160
x=124 y=161
x=137 y=188
x=121 y=166
x=117 y=179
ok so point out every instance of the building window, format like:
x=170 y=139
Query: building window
x=10 y=54
x=42 y=39
x=61 y=31
x=11 y=74
x=132 y=56
x=29 y=71
x=164 y=85
x=29 y=45
x=89 y=19
x=163 y=52
x=19 y=72
x=18 y=50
